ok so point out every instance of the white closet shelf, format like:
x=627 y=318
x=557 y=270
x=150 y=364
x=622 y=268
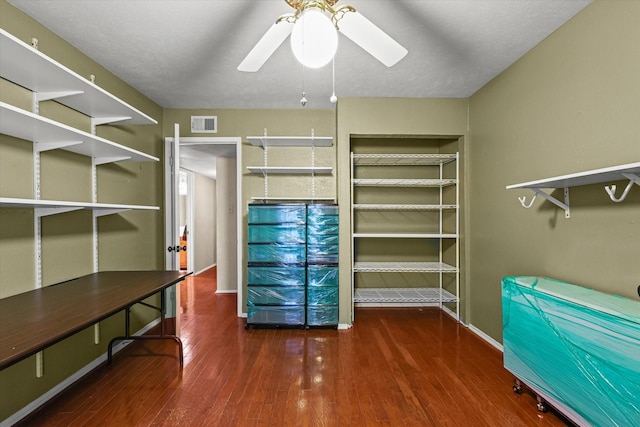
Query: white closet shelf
x=30 y=68
x=48 y=134
x=368 y=182
x=391 y=296
x=407 y=235
x=264 y=170
x=402 y=159
x=52 y=207
x=290 y=141
x=627 y=172
x=403 y=267
x=399 y=207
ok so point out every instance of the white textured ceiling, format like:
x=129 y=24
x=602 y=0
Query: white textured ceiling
x=184 y=53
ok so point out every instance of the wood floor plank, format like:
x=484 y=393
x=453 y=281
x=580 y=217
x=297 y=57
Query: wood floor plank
x=394 y=367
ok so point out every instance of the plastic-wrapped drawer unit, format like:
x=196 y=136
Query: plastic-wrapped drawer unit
x=321 y=210
x=577 y=348
x=276 y=315
x=319 y=231
x=277 y=214
x=276 y=295
x=322 y=315
x=276 y=253
x=322 y=295
x=286 y=275
x=281 y=233
x=322 y=275
x=323 y=253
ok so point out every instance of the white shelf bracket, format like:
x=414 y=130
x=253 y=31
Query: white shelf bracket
x=39 y=147
x=45 y=96
x=105 y=160
x=105 y=212
x=97 y=121
x=40 y=212
x=611 y=189
x=564 y=206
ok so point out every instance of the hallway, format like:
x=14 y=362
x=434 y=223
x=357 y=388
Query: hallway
x=395 y=367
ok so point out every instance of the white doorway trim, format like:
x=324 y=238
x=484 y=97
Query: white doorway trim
x=237 y=141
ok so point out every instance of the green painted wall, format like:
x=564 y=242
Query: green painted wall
x=571 y=104
x=131 y=240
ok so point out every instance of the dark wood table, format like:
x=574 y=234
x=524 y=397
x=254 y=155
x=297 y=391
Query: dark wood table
x=34 y=320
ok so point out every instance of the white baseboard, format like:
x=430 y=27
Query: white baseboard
x=226 y=291
x=486 y=337
x=344 y=326
x=60 y=387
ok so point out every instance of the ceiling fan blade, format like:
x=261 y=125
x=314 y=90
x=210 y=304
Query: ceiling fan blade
x=371 y=38
x=265 y=47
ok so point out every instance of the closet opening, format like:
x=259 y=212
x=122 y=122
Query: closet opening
x=405 y=222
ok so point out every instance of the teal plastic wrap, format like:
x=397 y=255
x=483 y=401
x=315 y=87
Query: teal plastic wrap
x=273 y=315
x=277 y=214
x=281 y=275
x=276 y=253
x=577 y=347
x=275 y=295
x=322 y=275
x=322 y=229
x=322 y=315
x=323 y=253
x=277 y=234
x=322 y=295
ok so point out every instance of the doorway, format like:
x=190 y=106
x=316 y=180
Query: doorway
x=215 y=153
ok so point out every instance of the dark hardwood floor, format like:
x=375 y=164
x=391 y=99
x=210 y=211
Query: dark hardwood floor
x=395 y=367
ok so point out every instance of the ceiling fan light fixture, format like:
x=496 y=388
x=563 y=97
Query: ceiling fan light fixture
x=314 y=38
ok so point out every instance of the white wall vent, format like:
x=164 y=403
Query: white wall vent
x=204 y=124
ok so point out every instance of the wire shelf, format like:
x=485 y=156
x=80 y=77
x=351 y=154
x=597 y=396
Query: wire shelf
x=403 y=267
x=403 y=182
x=402 y=159
x=403 y=295
x=400 y=207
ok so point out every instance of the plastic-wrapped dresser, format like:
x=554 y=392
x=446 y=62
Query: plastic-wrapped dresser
x=276 y=265
x=322 y=265
x=578 y=349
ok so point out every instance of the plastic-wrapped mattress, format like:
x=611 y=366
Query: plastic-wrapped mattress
x=577 y=348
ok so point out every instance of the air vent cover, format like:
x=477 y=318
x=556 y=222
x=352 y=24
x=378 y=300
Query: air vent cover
x=204 y=124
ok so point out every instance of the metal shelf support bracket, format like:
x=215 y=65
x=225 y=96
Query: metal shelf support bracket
x=564 y=206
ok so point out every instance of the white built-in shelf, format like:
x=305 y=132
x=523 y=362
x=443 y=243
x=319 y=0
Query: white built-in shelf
x=293 y=199
x=391 y=296
x=402 y=159
x=30 y=68
x=48 y=134
x=53 y=207
x=375 y=182
x=264 y=170
x=399 y=207
x=403 y=267
x=407 y=235
x=290 y=141
x=628 y=172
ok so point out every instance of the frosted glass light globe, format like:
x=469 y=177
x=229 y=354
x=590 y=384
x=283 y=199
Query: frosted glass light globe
x=314 y=39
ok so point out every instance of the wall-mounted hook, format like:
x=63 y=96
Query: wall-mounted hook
x=611 y=189
x=525 y=205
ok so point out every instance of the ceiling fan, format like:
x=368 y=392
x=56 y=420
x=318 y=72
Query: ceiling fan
x=307 y=25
